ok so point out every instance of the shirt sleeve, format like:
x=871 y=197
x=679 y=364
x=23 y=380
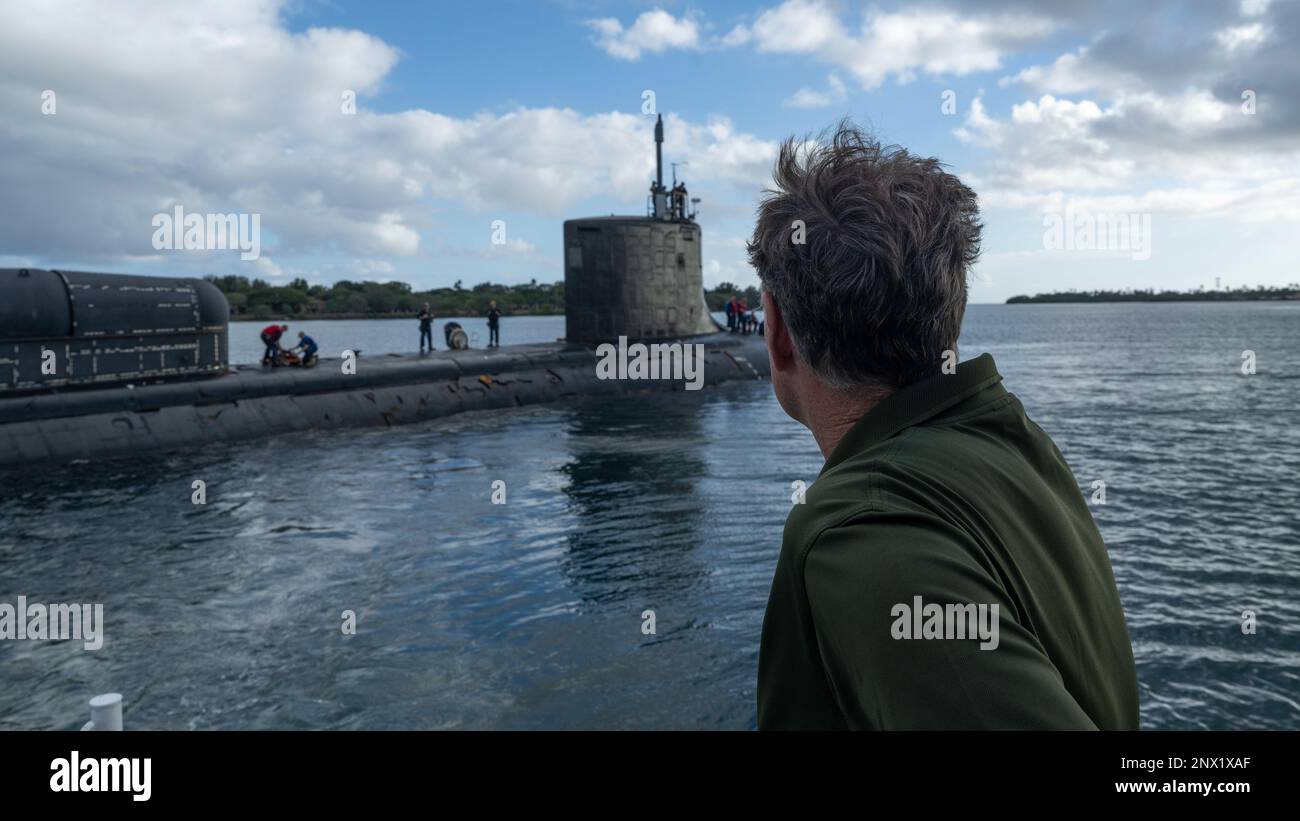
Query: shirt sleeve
x=862 y=579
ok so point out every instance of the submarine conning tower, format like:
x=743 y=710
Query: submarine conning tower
x=640 y=277
x=74 y=328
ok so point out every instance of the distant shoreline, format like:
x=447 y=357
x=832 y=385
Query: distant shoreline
x=1289 y=294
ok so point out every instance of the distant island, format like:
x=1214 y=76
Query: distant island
x=345 y=299
x=1291 y=291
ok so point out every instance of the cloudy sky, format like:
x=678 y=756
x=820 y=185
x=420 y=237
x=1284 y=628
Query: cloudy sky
x=1184 y=114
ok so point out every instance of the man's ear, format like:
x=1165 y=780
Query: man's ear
x=779 y=346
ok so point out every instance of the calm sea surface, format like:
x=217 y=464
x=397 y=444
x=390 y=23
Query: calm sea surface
x=528 y=614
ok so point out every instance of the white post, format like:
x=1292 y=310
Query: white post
x=105 y=712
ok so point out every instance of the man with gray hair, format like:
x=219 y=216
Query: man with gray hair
x=938 y=495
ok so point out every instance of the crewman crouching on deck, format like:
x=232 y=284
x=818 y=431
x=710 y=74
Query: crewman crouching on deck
x=271 y=339
x=308 y=347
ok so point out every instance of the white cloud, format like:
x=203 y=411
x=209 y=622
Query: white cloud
x=738 y=36
x=509 y=248
x=653 y=31
x=1072 y=73
x=1143 y=153
x=1156 y=128
x=814 y=98
x=980 y=127
x=1245 y=36
x=1045 y=144
x=800 y=27
x=899 y=44
x=221 y=108
x=266 y=268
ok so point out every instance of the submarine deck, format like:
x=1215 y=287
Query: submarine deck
x=251 y=401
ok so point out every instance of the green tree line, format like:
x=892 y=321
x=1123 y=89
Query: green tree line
x=258 y=299
x=1258 y=292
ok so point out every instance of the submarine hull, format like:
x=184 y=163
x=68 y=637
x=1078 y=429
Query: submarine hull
x=250 y=402
x=76 y=328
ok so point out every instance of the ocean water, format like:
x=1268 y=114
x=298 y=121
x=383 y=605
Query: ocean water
x=529 y=614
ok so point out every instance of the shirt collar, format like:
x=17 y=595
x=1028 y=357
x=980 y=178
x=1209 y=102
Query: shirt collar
x=916 y=403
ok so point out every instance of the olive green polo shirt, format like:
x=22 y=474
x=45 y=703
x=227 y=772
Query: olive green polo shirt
x=943 y=496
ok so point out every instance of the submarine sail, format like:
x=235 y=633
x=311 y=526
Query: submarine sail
x=640 y=277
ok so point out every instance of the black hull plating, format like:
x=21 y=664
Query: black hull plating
x=251 y=402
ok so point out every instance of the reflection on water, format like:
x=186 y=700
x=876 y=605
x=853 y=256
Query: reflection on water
x=649 y=558
x=528 y=614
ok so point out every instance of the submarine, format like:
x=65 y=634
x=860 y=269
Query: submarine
x=100 y=365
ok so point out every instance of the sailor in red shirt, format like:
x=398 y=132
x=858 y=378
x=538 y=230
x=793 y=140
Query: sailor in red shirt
x=271 y=339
